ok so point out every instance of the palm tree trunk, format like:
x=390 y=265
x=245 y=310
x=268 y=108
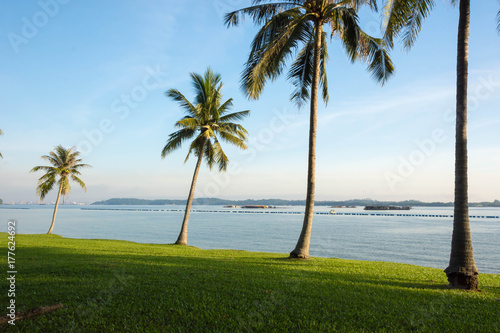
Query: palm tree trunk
x=461 y=271
x=302 y=248
x=55 y=209
x=182 y=239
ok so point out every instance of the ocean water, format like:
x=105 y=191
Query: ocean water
x=423 y=241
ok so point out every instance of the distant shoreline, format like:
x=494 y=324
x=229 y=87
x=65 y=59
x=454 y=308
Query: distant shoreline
x=282 y=202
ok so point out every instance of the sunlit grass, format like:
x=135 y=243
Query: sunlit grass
x=118 y=286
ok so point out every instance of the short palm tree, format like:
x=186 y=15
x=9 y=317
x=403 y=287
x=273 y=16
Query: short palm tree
x=207 y=123
x=65 y=165
x=404 y=18
x=1 y=133
x=296 y=26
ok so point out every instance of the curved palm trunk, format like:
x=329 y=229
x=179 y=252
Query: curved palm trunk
x=182 y=239
x=461 y=271
x=302 y=248
x=55 y=209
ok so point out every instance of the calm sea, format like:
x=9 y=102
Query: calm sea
x=423 y=241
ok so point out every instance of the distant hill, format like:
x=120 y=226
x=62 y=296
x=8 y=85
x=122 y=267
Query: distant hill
x=281 y=202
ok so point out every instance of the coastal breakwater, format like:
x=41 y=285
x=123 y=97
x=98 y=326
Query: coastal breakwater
x=333 y=213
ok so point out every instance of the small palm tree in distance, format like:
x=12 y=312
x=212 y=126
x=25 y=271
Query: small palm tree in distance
x=1 y=133
x=65 y=165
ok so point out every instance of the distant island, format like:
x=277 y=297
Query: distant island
x=281 y=202
x=387 y=207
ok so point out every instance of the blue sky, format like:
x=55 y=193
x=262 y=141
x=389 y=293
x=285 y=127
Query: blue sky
x=93 y=75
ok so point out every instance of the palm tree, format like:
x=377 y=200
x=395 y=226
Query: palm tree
x=65 y=164
x=207 y=122
x=289 y=26
x=405 y=17
x=1 y=133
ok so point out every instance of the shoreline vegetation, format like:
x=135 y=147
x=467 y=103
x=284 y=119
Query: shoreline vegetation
x=282 y=202
x=111 y=286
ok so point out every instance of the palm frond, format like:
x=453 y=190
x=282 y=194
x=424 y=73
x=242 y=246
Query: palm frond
x=260 y=13
x=188 y=123
x=414 y=25
x=322 y=70
x=43 y=189
x=301 y=72
x=498 y=21
x=49 y=176
x=379 y=62
x=199 y=88
x=75 y=168
x=52 y=159
x=208 y=96
x=361 y=46
x=41 y=167
x=177 y=96
x=357 y=4
x=240 y=115
x=344 y=22
x=65 y=186
x=196 y=146
x=220 y=157
x=280 y=38
x=232 y=128
x=226 y=106
x=236 y=140
x=394 y=18
x=79 y=181
x=176 y=139
x=405 y=17
x=45 y=185
x=209 y=154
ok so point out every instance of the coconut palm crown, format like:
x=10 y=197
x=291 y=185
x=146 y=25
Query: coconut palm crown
x=294 y=28
x=206 y=124
x=65 y=165
x=291 y=27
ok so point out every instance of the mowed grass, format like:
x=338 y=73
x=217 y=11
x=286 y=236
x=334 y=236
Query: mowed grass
x=118 y=286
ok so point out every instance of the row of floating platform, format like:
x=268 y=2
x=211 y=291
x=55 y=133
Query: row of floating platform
x=289 y=213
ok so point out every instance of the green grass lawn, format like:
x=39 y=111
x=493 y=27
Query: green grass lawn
x=118 y=286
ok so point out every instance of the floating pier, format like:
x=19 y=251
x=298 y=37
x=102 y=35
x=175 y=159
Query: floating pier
x=292 y=213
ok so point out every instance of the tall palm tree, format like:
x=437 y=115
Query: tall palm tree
x=207 y=122
x=65 y=165
x=405 y=17
x=296 y=26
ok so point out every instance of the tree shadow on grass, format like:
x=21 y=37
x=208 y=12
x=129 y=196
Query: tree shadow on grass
x=167 y=288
